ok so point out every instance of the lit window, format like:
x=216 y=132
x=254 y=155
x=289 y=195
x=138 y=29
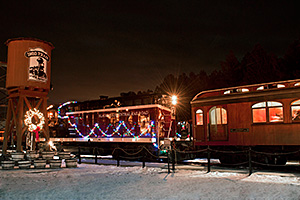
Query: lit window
x=243 y=90
x=260 y=88
x=227 y=92
x=271 y=86
x=199 y=117
x=218 y=116
x=280 y=86
x=269 y=111
x=295 y=106
x=238 y=90
x=297 y=84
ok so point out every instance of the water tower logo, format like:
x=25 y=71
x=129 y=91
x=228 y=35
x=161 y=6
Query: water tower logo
x=38 y=59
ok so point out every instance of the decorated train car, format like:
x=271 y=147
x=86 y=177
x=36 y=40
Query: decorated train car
x=265 y=117
x=124 y=127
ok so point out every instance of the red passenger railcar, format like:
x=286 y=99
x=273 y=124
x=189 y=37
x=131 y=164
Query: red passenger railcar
x=265 y=117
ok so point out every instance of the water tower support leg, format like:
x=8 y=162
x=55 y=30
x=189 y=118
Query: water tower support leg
x=20 y=123
x=7 y=127
x=46 y=128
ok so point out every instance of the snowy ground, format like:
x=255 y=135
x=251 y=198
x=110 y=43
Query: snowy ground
x=90 y=181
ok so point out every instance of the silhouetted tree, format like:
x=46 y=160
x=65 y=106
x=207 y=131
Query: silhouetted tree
x=216 y=80
x=259 y=67
x=256 y=66
x=231 y=71
x=290 y=64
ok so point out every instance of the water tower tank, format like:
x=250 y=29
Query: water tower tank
x=28 y=63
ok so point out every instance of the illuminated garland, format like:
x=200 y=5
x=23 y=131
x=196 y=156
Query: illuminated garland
x=149 y=131
x=63 y=105
x=128 y=132
x=28 y=119
x=179 y=135
x=107 y=128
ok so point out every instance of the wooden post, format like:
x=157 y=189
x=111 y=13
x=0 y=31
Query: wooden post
x=118 y=160
x=250 y=161
x=79 y=157
x=208 y=160
x=46 y=127
x=7 y=125
x=19 y=124
x=144 y=158
x=173 y=160
x=169 y=171
x=96 y=155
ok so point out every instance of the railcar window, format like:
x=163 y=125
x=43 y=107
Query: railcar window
x=280 y=86
x=199 y=117
x=295 y=106
x=245 y=90
x=259 y=105
x=218 y=116
x=238 y=90
x=264 y=87
x=260 y=88
x=270 y=111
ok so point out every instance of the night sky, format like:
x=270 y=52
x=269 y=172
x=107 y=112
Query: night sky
x=109 y=47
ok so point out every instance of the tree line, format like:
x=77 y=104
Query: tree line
x=256 y=66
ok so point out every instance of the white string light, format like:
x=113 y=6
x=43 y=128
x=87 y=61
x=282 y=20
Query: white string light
x=28 y=119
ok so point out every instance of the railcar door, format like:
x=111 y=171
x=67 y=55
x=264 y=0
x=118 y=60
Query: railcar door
x=217 y=124
x=199 y=126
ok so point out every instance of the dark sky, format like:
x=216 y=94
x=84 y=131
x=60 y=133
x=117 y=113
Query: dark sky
x=109 y=47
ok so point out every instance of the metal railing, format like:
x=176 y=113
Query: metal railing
x=143 y=154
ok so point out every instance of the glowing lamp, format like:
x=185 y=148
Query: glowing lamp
x=49 y=107
x=174 y=99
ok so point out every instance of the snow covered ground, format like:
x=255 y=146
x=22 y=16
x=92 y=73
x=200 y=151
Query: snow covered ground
x=90 y=181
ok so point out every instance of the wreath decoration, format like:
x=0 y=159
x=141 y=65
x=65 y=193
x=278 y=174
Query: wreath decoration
x=28 y=120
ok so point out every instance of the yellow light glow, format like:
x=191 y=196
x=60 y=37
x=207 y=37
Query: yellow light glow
x=52 y=146
x=174 y=99
x=49 y=107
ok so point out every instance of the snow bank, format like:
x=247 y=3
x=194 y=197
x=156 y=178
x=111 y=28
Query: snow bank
x=110 y=182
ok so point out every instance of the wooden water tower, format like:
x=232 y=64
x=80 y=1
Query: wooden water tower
x=28 y=85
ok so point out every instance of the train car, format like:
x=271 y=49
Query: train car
x=124 y=127
x=265 y=117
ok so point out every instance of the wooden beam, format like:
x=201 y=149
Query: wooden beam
x=44 y=111
x=7 y=126
x=27 y=103
x=38 y=104
x=19 y=123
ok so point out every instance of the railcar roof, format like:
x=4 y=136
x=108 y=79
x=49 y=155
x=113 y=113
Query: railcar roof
x=251 y=88
x=122 y=109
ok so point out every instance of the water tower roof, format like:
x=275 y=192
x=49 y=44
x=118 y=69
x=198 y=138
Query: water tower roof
x=31 y=39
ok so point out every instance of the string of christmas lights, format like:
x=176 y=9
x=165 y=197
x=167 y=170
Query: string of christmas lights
x=128 y=132
x=61 y=106
x=147 y=132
